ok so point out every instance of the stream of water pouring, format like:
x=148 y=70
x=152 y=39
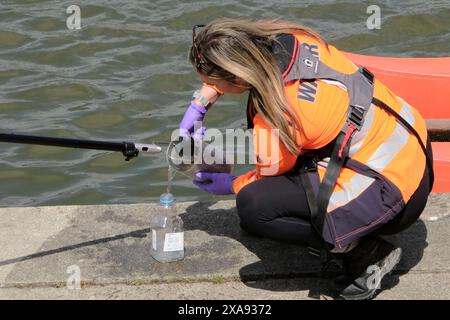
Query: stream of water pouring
x=170 y=175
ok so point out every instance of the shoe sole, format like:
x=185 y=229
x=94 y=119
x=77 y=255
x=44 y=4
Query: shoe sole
x=386 y=266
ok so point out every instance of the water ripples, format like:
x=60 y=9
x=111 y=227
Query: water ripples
x=125 y=76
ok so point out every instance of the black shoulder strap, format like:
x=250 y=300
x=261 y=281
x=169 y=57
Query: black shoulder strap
x=413 y=131
x=318 y=206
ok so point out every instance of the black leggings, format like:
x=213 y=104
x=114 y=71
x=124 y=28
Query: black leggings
x=277 y=208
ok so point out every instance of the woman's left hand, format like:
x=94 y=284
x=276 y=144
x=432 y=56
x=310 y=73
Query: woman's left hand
x=215 y=182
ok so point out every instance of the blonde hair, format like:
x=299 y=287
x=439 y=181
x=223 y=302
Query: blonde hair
x=229 y=48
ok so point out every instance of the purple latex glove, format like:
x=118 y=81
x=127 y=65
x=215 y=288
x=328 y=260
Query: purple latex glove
x=194 y=113
x=215 y=182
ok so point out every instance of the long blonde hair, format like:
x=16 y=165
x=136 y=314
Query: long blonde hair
x=228 y=48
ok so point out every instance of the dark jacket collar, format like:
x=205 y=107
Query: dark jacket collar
x=284 y=51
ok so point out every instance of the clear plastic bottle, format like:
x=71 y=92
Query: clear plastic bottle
x=167 y=231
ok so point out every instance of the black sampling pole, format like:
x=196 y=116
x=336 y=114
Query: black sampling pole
x=128 y=149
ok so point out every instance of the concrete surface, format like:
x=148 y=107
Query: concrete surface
x=110 y=246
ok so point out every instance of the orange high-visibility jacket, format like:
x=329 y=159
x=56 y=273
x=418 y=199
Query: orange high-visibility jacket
x=382 y=144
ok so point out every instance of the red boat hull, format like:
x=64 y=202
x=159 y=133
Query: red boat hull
x=422 y=82
x=425 y=84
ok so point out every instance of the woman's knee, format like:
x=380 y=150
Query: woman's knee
x=249 y=209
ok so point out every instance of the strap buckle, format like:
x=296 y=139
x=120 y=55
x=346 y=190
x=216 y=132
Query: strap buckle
x=356 y=116
x=310 y=164
x=314 y=252
x=355 y=120
x=367 y=74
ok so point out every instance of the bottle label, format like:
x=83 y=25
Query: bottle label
x=174 y=241
x=154 y=239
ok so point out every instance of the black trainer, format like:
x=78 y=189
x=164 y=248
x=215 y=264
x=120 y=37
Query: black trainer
x=364 y=268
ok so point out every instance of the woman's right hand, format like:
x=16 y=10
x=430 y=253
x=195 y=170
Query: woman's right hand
x=196 y=111
x=210 y=92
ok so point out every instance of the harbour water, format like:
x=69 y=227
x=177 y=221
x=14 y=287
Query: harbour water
x=124 y=76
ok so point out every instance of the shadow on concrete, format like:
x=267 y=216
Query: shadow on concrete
x=276 y=260
x=287 y=261
x=133 y=234
x=271 y=261
x=413 y=243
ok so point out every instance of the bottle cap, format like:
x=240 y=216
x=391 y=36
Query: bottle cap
x=166 y=198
